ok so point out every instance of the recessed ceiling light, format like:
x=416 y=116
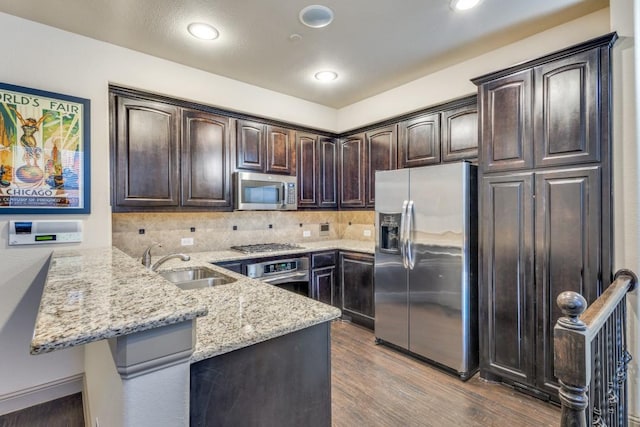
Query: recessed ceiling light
x=316 y=16
x=326 y=76
x=463 y=4
x=203 y=31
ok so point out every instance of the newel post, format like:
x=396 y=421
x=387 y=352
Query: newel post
x=572 y=359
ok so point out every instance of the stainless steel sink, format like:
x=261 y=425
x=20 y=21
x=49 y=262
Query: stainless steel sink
x=196 y=277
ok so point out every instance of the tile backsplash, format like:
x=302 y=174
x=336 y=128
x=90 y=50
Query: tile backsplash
x=220 y=230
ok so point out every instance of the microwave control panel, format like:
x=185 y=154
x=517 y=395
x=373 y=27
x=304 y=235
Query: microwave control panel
x=291 y=193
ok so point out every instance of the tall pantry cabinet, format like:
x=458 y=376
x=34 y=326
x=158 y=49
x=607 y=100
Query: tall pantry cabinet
x=545 y=206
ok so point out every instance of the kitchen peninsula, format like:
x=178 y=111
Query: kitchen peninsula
x=248 y=333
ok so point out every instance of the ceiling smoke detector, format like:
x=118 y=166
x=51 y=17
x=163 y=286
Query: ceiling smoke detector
x=316 y=16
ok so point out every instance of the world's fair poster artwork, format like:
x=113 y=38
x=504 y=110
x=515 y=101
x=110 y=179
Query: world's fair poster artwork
x=44 y=147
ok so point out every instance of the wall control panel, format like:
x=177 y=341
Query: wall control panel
x=44 y=232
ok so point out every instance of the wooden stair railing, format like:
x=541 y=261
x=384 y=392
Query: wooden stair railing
x=591 y=357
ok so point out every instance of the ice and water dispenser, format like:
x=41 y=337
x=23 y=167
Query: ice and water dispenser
x=389 y=232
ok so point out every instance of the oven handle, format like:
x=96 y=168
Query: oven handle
x=296 y=277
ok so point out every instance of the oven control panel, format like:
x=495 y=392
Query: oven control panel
x=277 y=267
x=280 y=267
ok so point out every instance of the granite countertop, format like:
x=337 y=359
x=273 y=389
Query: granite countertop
x=94 y=294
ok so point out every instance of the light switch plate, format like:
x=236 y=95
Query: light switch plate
x=186 y=241
x=306 y=233
x=367 y=233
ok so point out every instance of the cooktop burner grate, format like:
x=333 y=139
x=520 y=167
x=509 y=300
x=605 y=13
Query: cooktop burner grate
x=265 y=247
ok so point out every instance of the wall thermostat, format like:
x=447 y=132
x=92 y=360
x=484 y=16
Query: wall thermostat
x=40 y=232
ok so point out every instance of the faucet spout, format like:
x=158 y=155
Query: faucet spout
x=165 y=258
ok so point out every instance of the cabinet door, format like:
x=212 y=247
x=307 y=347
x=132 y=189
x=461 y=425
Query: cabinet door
x=323 y=283
x=568 y=251
x=566 y=116
x=381 y=154
x=506 y=123
x=419 y=143
x=328 y=173
x=352 y=175
x=146 y=149
x=205 y=160
x=356 y=277
x=308 y=163
x=460 y=134
x=506 y=289
x=280 y=151
x=250 y=145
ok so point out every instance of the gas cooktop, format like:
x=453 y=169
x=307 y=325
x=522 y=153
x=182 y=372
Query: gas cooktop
x=265 y=247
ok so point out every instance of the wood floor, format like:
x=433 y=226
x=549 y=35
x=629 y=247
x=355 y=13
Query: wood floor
x=63 y=412
x=373 y=386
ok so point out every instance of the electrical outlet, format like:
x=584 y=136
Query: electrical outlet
x=367 y=233
x=306 y=233
x=186 y=241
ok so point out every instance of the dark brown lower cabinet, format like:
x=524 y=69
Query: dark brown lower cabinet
x=283 y=382
x=356 y=277
x=324 y=284
x=523 y=272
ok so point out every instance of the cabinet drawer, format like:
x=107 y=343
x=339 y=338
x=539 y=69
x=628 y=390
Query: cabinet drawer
x=323 y=259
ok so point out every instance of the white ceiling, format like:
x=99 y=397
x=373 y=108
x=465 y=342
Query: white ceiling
x=374 y=45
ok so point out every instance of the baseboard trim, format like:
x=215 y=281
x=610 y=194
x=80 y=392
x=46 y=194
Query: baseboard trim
x=634 y=421
x=41 y=393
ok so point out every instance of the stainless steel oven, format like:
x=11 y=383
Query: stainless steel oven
x=291 y=274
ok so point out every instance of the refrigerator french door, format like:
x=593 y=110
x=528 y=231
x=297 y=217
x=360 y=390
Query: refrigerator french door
x=426 y=263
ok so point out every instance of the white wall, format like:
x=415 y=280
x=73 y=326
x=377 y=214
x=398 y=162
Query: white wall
x=625 y=19
x=454 y=82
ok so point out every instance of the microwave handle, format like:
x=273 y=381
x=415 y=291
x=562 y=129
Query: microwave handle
x=284 y=195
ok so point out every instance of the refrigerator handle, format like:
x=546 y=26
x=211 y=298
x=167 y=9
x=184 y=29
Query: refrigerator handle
x=403 y=237
x=409 y=230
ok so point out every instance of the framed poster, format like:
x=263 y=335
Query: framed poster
x=44 y=152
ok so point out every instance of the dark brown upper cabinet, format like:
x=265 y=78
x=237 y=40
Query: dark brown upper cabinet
x=308 y=162
x=264 y=148
x=381 y=154
x=328 y=181
x=205 y=158
x=250 y=145
x=145 y=144
x=280 y=150
x=317 y=171
x=419 y=143
x=167 y=157
x=566 y=110
x=460 y=133
x=545 y=116
x=352 y=171
x=506 y=127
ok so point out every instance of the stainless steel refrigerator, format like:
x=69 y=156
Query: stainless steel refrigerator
x=426 y=263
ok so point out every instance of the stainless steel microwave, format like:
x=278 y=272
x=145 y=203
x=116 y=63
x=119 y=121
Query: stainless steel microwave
x=264 y=192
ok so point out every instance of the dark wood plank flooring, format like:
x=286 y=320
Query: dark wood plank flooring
x=63 y=412
x=373 y=386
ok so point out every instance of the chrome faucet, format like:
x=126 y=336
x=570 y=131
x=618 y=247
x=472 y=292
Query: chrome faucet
x=146 y=258
x=165 y=258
